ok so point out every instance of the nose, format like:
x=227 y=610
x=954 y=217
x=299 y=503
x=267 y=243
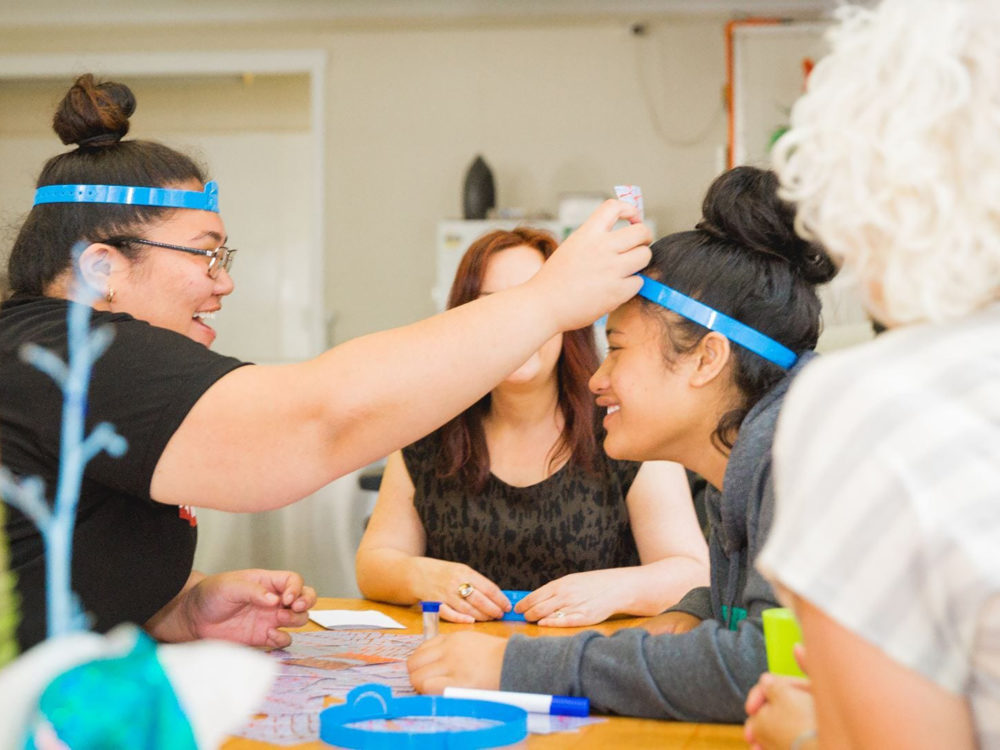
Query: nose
x=599 y=380
x=224 y=283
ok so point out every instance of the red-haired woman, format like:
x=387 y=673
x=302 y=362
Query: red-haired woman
x=516 y=492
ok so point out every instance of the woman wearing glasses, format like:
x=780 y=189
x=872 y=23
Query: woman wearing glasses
x=204 y=429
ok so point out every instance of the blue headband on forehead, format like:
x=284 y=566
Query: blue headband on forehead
x=132 y=196
x=732 y=329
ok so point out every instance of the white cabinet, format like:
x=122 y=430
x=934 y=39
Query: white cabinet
x=455 y=235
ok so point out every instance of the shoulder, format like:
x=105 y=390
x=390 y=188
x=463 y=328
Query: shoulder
x=420 y=455
x=897 y=390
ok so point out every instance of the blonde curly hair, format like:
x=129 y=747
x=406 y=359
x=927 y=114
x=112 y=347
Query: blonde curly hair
x=893 y=155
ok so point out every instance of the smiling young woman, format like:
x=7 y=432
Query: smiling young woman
x=677 y=390
x=208 y=430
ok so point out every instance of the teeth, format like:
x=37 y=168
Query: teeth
x=613 y=409
x=205 y=315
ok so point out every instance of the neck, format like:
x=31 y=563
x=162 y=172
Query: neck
x=524 y=404
x=710 y=463
x=64 y=287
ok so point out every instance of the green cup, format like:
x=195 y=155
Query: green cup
x=781 y=633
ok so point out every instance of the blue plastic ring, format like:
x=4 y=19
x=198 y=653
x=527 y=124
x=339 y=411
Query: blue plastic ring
x=373 y=702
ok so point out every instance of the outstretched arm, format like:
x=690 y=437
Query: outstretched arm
x=262 y=437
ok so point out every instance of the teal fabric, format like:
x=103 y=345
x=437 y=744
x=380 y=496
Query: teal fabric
x=111 y=704
x=733 y=617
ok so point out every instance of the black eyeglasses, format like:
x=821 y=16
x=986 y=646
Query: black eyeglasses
x=221 y=257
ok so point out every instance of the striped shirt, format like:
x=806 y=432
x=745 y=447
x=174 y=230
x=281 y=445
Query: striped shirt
x=887 y=472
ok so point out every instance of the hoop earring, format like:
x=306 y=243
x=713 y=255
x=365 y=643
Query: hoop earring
x=110 y=296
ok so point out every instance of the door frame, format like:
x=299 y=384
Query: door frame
x=213 y=63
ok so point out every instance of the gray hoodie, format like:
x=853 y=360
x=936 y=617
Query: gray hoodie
x=704 y=674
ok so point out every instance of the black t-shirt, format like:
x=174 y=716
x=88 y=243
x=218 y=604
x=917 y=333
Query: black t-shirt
x=131 y=555
x=523 y=537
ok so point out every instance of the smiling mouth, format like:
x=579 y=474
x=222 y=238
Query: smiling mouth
x=204 y=316
x=613 y=409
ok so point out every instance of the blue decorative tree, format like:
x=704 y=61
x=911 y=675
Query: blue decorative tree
x=85 y=347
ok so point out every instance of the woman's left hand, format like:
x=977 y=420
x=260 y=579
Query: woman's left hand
x=248 y=606
x=574 y=600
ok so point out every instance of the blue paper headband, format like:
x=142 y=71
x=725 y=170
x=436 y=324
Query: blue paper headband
x=732 y=329
x=132 y=196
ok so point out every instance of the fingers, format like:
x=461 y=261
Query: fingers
x=425 y=665
x=755 y=699
x=479 y=606
x=799 y=652
x=451 y=615
x=610 y=212
x=562 y=619
x=277 y=638
x=485 y=602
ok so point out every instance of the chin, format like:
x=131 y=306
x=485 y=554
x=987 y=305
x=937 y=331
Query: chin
x=205 y=338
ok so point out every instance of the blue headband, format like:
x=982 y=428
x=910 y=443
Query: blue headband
x=732 y=329
x=132 y=196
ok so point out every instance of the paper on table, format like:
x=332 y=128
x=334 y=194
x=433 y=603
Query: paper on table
x=351 y=618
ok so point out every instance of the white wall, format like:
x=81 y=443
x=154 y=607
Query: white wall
x=553 y=107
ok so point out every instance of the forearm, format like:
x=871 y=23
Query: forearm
x=651 y=588
x=388 y=575
x=702 y=675
x=170 y=624
x=387 y=389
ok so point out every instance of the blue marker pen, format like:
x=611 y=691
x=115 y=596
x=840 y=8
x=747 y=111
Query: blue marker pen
x=536 y=703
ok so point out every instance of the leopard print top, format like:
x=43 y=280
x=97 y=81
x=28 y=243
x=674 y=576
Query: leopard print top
x=523 y=537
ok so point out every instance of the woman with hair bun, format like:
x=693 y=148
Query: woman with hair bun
x=516 y=492
x=205 y=430
x=696 y=372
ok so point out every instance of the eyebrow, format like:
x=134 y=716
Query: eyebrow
x=215 y=236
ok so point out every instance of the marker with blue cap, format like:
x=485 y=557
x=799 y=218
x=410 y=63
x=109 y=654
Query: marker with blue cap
x=535 y=703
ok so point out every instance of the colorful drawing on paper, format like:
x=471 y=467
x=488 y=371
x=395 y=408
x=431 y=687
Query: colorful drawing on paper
x=321 y=668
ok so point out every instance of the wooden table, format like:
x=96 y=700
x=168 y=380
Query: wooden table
x=616 y=732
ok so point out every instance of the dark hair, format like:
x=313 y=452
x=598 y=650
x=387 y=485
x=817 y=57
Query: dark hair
x=463 y=443
x=95 y=117
x=743 y=259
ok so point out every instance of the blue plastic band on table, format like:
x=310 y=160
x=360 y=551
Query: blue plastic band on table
x=375 y=702
x=732 y=329
x=515 y=597
x=207 y=200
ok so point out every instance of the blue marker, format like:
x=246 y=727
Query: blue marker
x=536 y=703
x=515 y=597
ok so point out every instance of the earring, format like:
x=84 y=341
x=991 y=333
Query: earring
x=110 y=296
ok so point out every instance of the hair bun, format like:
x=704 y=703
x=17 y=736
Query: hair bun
x=743 y=207
x=94 y=115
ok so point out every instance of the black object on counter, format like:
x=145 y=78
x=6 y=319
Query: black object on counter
x=479 y=193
